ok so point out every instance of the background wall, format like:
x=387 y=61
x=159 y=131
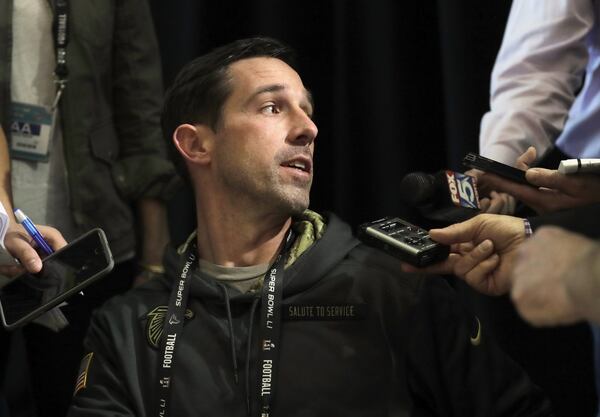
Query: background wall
x=398 y=86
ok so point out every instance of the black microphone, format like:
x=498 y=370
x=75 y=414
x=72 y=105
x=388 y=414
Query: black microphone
x=443 y=198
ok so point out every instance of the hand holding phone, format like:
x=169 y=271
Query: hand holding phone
x=64 y=273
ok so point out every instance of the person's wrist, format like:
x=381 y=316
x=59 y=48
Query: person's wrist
x=149 y=270
x=583 y=285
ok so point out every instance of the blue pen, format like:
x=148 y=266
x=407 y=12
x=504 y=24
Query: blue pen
x=33 y=231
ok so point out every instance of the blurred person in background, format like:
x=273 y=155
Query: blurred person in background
x=80 y=100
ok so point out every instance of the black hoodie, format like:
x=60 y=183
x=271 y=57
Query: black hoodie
x=359 y=338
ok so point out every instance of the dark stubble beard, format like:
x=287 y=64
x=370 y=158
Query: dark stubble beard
x=298 y=195
x=275 y=196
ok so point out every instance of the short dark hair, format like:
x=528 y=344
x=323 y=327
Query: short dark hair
x=201 y=88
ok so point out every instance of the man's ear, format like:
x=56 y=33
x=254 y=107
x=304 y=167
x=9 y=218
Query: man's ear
x=194 y=142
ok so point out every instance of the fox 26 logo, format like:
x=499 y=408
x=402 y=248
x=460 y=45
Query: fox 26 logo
x=463 y=190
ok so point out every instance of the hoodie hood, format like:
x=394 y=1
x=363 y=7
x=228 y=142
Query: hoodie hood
x=307 y=269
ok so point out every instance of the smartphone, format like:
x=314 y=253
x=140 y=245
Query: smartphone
x=64 y=273
x=473 y=160
x=403 y=240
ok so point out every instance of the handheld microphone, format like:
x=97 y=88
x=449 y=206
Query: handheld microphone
x=444 y=198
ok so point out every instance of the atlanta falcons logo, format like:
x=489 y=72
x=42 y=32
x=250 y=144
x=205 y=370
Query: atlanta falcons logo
x=156 y=321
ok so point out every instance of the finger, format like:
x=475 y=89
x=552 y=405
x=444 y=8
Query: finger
x=511 y=205
x=484 y=204
x=481 y=276
x=508 y=203
x=456 y=233
x=576 y=186
x=549 y=178
x=473 y=258
x=462 y=248
x=526 y=159
x=25 y=253
x=54 y=238
x=496 y=203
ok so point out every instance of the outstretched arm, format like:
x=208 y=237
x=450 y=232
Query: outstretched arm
x=556 y=278
x=538 y=71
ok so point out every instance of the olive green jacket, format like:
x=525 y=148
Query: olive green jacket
x=110 y=113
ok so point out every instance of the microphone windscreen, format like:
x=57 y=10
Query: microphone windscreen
x=417 y=188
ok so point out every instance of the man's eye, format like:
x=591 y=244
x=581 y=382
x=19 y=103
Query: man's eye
x=270 y=109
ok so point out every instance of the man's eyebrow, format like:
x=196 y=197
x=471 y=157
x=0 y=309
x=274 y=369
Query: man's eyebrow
x=273 y=88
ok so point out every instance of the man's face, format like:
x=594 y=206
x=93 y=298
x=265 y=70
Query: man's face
x=264 y=143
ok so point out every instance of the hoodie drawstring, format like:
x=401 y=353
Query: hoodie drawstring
x=232 y=341
x=249 y=350
x=231 y=335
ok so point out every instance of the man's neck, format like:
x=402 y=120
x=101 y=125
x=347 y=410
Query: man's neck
x=228 y=236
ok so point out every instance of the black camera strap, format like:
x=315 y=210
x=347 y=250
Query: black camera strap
x=60 y=28
x=270 y=331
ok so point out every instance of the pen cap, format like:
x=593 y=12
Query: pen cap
x=20 y=216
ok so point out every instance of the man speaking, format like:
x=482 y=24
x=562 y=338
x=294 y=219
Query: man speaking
x=270 y=309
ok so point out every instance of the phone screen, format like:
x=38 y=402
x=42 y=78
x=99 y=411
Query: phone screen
x=63 y=273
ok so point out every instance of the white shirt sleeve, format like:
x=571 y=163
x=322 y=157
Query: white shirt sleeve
x=539 y=69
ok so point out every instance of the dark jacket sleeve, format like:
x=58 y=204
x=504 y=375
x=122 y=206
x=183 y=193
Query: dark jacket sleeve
x=456 y=369
x=584 y=220
x=100 y=389
x=143 y=169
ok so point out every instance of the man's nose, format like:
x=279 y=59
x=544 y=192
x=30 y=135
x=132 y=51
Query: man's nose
x=305 y=130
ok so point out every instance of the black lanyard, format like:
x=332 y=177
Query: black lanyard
x=61 y=39
x=270 y=331
x=171 y=329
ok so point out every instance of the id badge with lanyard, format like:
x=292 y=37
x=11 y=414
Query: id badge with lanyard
x=32 y=126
